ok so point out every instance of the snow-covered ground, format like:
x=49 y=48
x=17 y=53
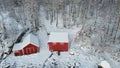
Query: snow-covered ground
x=77 y=57
x=35 y=59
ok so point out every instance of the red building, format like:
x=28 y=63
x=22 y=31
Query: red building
x=29 y=45
x=58 y=41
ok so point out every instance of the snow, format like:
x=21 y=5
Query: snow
x=39 y=58
x=17 y=46
x=82 y=58
x=58 y=37
x=30 y=38
x=105 y=64
x=77 y=56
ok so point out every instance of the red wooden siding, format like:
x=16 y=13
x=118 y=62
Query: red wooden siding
x=58 y=46
x=18 y=53
x=29 y=49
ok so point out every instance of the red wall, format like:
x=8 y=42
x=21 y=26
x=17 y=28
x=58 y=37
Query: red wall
x=29 y=49
x=58 y=46
x=18 y=53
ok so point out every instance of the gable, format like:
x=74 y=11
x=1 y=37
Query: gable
x=30 y=45
x=29 y=39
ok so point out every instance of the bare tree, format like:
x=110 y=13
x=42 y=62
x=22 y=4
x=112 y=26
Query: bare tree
x=3 y=28
x=64 y=13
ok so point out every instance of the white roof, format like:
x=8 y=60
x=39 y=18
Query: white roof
x=30 y=38
x=17 y=46
x=58 y=37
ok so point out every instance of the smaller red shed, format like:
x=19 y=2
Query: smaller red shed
x=29 y=45
x=58 y=41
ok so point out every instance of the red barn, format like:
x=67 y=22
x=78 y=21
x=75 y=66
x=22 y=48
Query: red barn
x=58 y=41
x=29 y=45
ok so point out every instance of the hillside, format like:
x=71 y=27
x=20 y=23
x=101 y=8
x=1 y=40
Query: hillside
x=93 y=27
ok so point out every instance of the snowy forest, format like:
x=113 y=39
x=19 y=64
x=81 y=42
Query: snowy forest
x=93 y=27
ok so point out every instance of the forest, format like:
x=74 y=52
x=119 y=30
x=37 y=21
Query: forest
x=97 y=21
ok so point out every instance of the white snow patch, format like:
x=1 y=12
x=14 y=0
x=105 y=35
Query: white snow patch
x=105 y=64
x=58 y=37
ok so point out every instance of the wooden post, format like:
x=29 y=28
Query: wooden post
x=58 y=53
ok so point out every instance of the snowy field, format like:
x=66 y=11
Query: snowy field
x=78 y=56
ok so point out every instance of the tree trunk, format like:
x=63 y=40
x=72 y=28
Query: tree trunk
x=118 y=23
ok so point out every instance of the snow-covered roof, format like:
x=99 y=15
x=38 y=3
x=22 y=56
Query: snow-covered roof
x=17 y=46
x=30 y=38
x=58 y=37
